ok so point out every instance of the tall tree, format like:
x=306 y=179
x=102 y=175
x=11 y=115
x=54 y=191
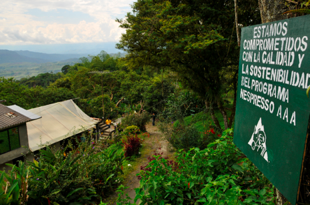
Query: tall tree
x=194 y=38
x=272 y=10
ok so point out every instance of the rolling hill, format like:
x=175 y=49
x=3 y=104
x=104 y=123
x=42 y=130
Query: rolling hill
x=19 y=64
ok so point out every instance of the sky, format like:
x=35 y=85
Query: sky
x=37 y=24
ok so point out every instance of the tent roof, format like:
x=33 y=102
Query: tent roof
x=59 y=121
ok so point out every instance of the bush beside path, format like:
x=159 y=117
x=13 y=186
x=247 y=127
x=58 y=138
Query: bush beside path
x=155 y=143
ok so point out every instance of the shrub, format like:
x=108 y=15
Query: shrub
x=132 y=145
x=14 y=185
x=117 y=136
x=131 y=130
x=61 y=179
x=186 y=137
x=138 y=120
x=219 y=174
x=75 y=177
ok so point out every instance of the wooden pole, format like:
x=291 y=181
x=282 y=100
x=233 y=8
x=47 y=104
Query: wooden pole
x=236 y=21
x=301 y=178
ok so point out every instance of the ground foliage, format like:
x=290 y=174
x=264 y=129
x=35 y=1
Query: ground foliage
x=80 y=176
x=219 y=174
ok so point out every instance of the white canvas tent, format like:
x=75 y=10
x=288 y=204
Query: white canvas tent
x=59 y=121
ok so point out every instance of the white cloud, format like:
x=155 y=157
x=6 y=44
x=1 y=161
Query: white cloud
x=18 y=25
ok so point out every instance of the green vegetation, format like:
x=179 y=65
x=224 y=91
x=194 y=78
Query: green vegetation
x=181 y=64
x=131 y=130
x=104 y=86
x=82 y=175
x=138 y=120
x=219 y=174
x=195 y=40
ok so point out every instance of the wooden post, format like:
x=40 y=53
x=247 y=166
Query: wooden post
x=302 y=177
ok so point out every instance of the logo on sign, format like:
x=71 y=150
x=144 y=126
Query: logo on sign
x=258 y=140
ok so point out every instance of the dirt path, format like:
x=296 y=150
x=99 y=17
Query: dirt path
x=151 y=144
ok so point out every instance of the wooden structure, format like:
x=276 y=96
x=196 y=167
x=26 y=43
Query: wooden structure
x=105 y=131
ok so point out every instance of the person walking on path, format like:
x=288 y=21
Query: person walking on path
x=108 y=122
x=153 y=116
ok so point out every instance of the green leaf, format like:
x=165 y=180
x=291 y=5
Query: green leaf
x=189 y=195
x=155 y=184
x=202 y=200
x=248 y=200
x=11 y=189
x=262 y=192
x=307 y=92
x=55 y=192
x=109 y=178
x=72 y=192
x=237 y=167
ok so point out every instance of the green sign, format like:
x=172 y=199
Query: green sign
x=272 y=106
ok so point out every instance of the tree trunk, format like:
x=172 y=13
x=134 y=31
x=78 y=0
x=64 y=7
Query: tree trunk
x=236 y=22
x=141 y=109
x=233 y=112
x=215 y=120
x=119 y=101
x=224 y=114
x=272 y=10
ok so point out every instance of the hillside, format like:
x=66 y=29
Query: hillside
x=50 y=57
x=19 y=64
x=7 y=56
x=20 y=70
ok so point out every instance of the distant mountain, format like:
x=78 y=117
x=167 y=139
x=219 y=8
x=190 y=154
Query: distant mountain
x=7 y=56
x=74 y=48
x=49 y=57
x=19 y=64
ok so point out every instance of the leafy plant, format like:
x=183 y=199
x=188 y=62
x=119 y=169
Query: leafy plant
x=138 y=120
x=61 y=179
x=14 y=186
x=132 y=144
x=186 y=137
x=180 y=104
x=131 y=130
x=122 y=198
x=219 y=174
x=76 y=176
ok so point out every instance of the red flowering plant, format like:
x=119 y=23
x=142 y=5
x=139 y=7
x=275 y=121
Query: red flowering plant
x=132 y=144
x=210 y=135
